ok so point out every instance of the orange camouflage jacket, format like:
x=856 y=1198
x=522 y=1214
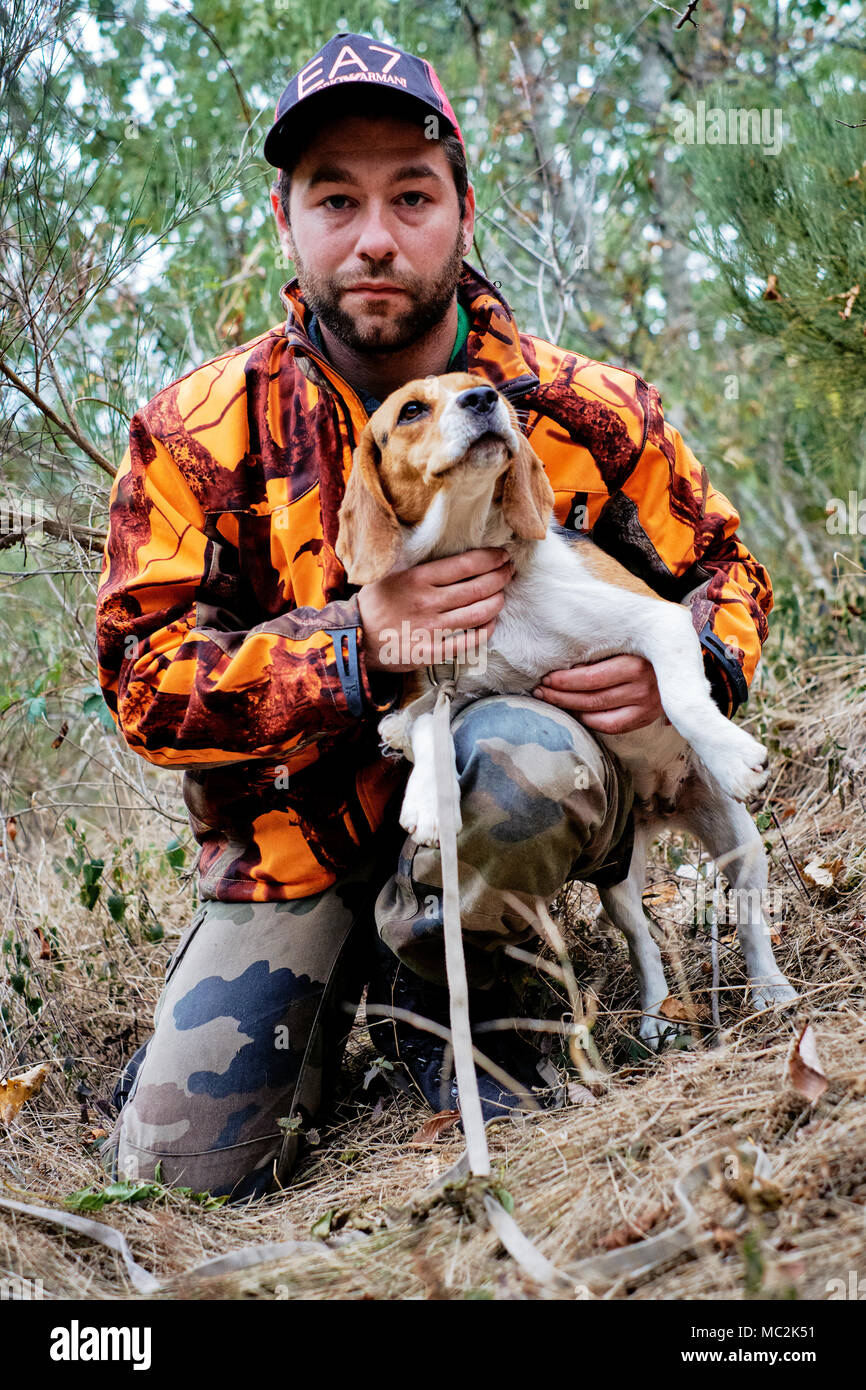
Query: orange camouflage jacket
x=228 y=640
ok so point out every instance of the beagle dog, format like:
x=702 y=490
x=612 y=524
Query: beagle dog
x=442 y=467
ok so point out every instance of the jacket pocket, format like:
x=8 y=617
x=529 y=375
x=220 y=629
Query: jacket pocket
x=175 y=960
x=186 y=938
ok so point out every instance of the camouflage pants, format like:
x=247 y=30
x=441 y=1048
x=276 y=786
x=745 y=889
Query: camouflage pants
x=259 y=998
x=541 y=802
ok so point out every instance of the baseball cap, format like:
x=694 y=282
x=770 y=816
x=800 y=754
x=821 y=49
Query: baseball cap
x=357 y=60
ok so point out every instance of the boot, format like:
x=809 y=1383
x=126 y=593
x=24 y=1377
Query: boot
x=422 y=1054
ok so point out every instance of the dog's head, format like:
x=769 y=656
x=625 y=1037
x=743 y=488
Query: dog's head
x=434 y=433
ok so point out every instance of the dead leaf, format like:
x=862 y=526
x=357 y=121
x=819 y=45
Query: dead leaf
x=11 y=827
x=44 y=944
x=804 y=1070
x=434 y=1128
x=758 y=1194
x=635 y=1230
x=16 y=1090
x=675 y=1010
x=823 y=873
x=64 y=730
x=772 y=290
x=661 y=893
x=724 y=1239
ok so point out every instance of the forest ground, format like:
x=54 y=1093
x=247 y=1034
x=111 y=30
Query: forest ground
x=598 y=1175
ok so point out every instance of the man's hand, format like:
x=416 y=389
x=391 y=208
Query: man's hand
x=462 y=594
x=612 y=696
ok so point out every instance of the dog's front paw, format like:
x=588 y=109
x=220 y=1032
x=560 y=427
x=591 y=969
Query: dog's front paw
x=738 y=763
x=419 y=815
x=771 y=993
x=421 y=822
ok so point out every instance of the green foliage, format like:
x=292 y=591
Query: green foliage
x=93 y=705
x=175 y=854
x=120 y=882
x=381 y=1067
x=322 y=1227
x=810 y=625
x=17 y=968
x=95 y=1198
x=753 y=1264
x=800 y=216
x=83 y=866
x=786 y=235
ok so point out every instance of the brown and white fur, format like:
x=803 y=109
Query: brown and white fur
x=453 y=472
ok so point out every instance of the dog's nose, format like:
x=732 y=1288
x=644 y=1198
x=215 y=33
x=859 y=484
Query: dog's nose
x=480 y=400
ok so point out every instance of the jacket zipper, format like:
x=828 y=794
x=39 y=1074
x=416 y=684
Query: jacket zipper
x=339 y=383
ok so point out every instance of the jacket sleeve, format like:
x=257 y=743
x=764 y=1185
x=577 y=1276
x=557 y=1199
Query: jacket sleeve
x=185 y=680
x=693 y=528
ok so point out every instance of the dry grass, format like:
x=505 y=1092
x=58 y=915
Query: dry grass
x=576 y=1174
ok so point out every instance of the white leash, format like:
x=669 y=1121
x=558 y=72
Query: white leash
x=455 y=962
x=516 y=1243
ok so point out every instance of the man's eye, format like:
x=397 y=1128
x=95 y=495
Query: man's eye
x=411 y=411
x=335 y=197
x=414 y=195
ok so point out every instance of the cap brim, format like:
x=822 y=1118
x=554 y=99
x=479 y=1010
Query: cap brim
x=274 y=147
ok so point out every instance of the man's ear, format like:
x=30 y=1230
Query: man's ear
x=368 y=538
x=284 y=231
x=527 y=497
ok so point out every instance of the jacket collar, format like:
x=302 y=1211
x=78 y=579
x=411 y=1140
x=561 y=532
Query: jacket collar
x=493 y=347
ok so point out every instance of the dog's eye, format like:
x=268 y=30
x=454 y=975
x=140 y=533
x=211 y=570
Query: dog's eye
x=411 y=411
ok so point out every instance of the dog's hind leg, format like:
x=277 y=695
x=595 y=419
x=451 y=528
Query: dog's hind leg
x=623 y=903
x=732 y=838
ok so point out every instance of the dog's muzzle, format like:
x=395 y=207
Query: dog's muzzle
x=473 y=417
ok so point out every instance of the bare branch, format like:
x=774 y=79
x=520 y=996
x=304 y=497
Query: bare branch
x=83 y=444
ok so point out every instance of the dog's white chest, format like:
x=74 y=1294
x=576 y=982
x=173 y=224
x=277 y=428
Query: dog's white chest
x=551 y=618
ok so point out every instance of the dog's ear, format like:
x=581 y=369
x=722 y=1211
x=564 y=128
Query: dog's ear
x=527 y=497
x=368 y=538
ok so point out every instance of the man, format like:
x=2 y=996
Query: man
x=231 y=646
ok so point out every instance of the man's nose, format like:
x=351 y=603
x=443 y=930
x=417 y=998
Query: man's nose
x=480 y=400
x=375 y=240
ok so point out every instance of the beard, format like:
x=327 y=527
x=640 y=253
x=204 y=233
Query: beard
x=430 y=302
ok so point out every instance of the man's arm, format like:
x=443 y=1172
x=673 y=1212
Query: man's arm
x=186 y=681
x=734 y=594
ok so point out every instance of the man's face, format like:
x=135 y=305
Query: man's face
x=373 y=204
